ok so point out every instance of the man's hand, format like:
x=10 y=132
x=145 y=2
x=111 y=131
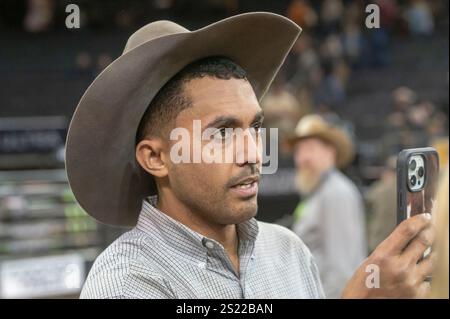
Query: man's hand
x=402 y=271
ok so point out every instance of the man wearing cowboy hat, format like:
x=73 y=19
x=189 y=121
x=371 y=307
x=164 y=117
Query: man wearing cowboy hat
x=194 y=234
x=330 y=217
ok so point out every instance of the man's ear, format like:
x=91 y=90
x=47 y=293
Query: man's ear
x=149 y=154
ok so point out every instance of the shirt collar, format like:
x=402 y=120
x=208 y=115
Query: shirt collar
x=154 y=222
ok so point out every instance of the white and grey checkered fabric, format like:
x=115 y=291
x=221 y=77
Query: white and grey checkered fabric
x=162 y=258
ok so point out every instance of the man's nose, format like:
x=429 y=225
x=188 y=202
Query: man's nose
x=248 y=148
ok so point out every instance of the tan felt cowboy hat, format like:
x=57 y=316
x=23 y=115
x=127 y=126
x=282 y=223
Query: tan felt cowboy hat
x=100 y=156
x=315 y=126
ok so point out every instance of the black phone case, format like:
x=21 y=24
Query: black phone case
x=422 y=201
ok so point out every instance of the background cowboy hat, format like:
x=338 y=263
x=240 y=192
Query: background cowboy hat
x=315 y=126
x=100 y=150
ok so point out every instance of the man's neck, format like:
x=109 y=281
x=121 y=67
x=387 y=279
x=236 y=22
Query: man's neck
x=226 y=235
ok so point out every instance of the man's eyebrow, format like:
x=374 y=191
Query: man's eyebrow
x=225 y=120
x=231 y=121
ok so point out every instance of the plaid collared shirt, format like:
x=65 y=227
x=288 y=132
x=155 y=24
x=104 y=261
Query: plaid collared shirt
x=162 y=258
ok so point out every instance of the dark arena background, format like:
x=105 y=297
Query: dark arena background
x=388 y=86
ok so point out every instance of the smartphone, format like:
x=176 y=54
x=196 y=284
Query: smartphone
x=417 y=181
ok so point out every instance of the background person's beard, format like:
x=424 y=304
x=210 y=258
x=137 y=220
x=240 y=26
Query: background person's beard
x=307 y=180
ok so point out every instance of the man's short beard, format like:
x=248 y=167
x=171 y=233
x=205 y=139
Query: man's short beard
x=211 y=207
x=307 y=180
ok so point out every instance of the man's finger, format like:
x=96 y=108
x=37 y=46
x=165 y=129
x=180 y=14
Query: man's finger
x=404 y=233
x=417 y=247
x=425 y=268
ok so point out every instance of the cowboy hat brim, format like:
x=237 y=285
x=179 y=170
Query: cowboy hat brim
x=100 y=149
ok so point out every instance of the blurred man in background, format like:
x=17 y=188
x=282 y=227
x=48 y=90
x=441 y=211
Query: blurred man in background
x=330 y=218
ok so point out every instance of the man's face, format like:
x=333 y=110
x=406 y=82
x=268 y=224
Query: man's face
x=312 y=157
x=225 y=192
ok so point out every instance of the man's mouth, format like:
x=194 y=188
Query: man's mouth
x=247 y=187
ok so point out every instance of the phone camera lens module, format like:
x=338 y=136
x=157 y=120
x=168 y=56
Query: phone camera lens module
x=420 y=172
x=412 y=165
x=413 y=181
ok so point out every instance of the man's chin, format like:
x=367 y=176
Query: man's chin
x=247 y=211
x=241 y=212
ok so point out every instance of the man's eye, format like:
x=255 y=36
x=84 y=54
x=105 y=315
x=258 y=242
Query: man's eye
x=222 y=133
x=257 y=128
